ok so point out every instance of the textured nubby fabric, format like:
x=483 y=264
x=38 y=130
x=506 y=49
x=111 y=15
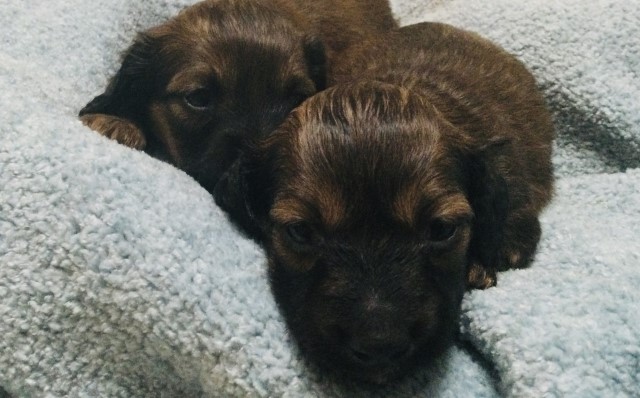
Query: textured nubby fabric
x=119 y=277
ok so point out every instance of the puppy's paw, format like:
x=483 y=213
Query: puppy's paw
x=115 y=128
x=480 y=277
x=521 y=242
x=515 y=258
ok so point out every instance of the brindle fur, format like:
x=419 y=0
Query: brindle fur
x=490 y=97
x=381 y=199
x=255 y=60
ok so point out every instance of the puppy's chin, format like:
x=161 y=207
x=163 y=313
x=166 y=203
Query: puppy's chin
x=327 y=339
x=392 y=372
x=346 y=368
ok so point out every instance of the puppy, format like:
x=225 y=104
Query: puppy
x=381 y=199
x=192 y=90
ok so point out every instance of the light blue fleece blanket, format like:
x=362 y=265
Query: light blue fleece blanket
x=119 y=277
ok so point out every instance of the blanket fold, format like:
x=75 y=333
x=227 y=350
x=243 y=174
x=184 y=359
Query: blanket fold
x=119 y=277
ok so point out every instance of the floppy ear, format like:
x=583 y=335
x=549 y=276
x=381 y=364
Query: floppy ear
x=118 y=113
x=489 y=197
x=244 y=192
x=316 y=58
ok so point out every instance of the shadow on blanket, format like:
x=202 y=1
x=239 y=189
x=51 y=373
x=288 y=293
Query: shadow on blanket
x=582 y=128
x=120 y=277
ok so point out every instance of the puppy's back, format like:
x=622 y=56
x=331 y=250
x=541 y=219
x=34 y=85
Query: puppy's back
x=345 y=23
x=451 y=67
x=477 y=86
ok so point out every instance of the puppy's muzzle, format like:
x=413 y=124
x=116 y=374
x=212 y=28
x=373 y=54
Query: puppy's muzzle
x=378 y=337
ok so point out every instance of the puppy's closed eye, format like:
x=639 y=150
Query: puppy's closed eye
x=441 y=232
x=300 y=242
x=301 y=236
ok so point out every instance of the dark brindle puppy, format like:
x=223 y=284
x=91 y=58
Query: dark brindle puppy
x=380 y=200
x=193 y=89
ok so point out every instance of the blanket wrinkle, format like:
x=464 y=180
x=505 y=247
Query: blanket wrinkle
x=119 y=277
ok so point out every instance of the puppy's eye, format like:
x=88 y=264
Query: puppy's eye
x=300 y=234
x=199 y=99
x=441 y=232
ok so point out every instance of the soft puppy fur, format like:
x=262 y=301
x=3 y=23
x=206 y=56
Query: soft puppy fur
x=192 y=90
x=381 y=199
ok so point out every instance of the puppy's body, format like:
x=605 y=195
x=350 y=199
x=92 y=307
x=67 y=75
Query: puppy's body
x=381 y=199
x=493 y=101
x=192 y=90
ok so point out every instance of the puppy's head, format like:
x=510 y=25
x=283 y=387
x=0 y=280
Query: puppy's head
x=192 y=90
x=362 y=199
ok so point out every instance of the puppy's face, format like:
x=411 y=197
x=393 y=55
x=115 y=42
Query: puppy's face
x=192 y=90
x=366 y=223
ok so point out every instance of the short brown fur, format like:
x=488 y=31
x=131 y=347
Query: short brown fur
x=117 y=129
x=192 y=90
x=490 y=97
x=436 y=145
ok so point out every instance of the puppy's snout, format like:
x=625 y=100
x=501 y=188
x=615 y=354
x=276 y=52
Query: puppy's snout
x=377 y=352
x=380 y=337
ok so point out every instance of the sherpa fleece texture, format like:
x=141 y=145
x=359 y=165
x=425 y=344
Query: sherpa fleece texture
x=119 y=277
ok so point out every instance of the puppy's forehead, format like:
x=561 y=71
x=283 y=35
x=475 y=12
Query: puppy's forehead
x=225 y=38
x=229 y=20
x=378 y=148
x=375 y=118
x=229 y=13
x=369 y=132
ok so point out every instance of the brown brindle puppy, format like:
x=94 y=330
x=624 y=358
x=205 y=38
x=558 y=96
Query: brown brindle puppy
x=193 y=89
x=380 y=200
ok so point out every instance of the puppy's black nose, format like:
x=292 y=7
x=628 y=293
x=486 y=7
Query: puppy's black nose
x=379 y=352
x=378 y=334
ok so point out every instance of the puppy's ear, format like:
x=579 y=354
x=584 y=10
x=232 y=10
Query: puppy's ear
x=316 y=59
x=244 y=192
x=489 y=197
x=118 y=112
